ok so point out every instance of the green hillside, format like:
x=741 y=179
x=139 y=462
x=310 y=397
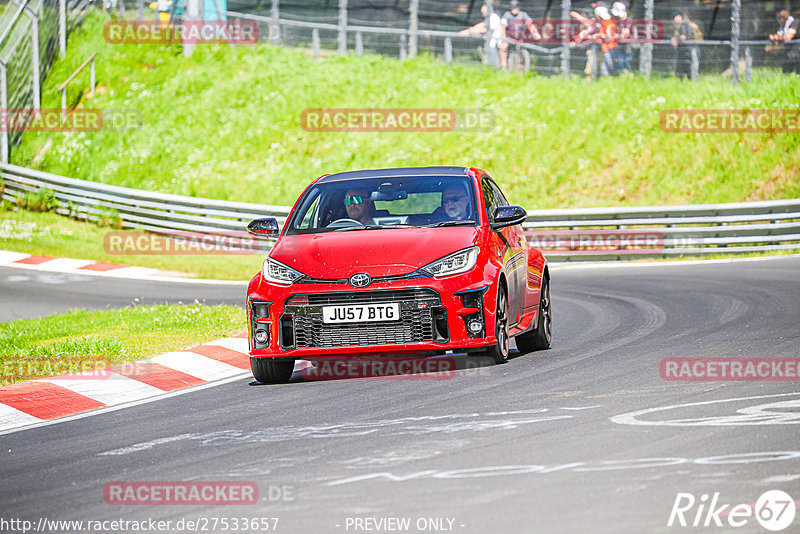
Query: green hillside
x=225 y=124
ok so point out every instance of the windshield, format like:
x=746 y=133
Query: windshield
x=374 y=204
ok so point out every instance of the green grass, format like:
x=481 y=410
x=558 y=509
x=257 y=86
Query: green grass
x=82 y=340
x=225 y=124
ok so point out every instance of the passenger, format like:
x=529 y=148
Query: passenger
x=358 y=204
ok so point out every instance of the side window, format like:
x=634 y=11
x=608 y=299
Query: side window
x=489 y=198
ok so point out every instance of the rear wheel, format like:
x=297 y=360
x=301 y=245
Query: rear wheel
x=271 y=371
x=499 y=351
x=539 y=339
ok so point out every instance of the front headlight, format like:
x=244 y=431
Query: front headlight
x=458 y=262
x=275 y=271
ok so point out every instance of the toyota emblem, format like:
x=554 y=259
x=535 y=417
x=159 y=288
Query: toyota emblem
x=360 y=280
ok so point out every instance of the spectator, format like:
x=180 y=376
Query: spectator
x=497 y=33
x=519 y=27
x=788 y=32
x=607 y=36
x=625 y=28
x=681 y=33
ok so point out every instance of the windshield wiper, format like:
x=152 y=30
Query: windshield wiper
x=453 y=223
x=374 y=227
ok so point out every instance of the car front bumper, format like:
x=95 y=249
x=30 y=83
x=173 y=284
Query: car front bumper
x=435 y=317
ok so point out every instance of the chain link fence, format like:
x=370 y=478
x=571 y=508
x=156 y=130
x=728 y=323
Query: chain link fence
x=32 y=33
x=723 y=32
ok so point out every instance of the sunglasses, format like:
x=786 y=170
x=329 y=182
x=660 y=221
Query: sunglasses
x=354 y=199
x=453 y=199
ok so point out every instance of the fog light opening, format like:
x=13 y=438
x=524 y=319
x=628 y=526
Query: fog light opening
x=262 y=336
x=475 y=326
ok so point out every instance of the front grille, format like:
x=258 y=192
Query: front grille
x=418 y=310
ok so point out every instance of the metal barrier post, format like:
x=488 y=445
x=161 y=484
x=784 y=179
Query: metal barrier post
x=359 y=44
x=488 y=35
x=748 y=64
x=566 y=6
x=448 y=50
x=695 y=65
x=342 y=48
x=62 y=27
x=36 y=75
x=413 y=27
x=403 y=45
x=4 y=108
x=646 y=51
x=736 y=8
x=140 y=10
x=274 y=26
x=315 y=43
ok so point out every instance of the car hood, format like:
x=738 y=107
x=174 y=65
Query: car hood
x=385 y=252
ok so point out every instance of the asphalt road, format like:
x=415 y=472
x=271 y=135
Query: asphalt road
x=29 y=293
x=545 y=443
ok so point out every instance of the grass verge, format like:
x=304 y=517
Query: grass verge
x=84 y=340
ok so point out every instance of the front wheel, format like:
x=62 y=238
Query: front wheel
x=499 y=351
x=271 y=371
x=540 y=338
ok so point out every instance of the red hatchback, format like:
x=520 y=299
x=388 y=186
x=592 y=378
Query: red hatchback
x=413 y=261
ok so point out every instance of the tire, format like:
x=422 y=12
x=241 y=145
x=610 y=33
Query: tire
x=540 y=338
x=519 y=61
x=499 y=351
x=270 y=371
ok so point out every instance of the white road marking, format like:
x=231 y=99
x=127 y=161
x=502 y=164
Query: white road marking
x=760 y=414
x=64 y=264
x=565 y=266
x=11 y=417
x=110 y=389
x=196 y=365
x=7 y=256
x=232 y=343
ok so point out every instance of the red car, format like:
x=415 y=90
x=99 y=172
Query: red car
x=413 y=261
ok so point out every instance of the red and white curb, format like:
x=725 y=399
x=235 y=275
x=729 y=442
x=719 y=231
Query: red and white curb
x=47 y=399
x=22 y=260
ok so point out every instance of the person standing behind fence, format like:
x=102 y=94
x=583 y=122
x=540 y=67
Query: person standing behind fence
x=608 y=38
x=682 y=32
x=788 y=32
x=519 y=27
x=497 y=33
x=625 y=29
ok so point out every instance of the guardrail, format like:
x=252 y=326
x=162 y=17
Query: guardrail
x=564 y=234
x=146 y=210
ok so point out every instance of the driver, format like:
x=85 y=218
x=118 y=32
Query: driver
x=358 y=203
x=455 y=201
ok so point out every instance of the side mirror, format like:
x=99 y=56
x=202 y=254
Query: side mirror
x=267 y=227
x=508 y=216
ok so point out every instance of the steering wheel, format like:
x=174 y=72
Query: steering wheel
x=341 y=223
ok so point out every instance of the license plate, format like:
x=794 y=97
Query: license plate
x=360 y=313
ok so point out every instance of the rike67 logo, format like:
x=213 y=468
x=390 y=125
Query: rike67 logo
x=774 y=511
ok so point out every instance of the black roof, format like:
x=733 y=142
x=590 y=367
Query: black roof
x=394 y=173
